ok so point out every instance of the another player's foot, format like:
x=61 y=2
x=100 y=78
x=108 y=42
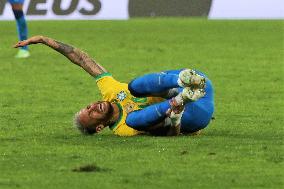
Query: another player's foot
x=22 y=53
x=189 y=78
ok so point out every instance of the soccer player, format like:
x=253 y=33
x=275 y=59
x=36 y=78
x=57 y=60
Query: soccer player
x=17 y=7
x=165 y=103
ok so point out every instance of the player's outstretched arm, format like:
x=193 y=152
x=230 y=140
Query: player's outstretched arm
x=74 y=54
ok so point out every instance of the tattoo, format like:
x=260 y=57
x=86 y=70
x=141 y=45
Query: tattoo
x=64 y=48
x=89 y=64
x=76 y=56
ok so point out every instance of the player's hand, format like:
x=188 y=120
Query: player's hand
x=32 y=40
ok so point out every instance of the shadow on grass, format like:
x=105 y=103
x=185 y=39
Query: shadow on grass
x=90 y=168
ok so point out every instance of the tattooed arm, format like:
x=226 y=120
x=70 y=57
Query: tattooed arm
x=75 y=55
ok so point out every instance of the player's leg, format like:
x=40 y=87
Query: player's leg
x=154 y=114
x=198 y=114
x=149 y=116
x=151 y=84
x=17 y=7
x=166 y=82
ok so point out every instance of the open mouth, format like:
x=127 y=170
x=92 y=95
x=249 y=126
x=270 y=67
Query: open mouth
x=102 y=107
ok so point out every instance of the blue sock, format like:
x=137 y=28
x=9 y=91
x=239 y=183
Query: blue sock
x=148 y=116
x=153 y=84
x=21 y=26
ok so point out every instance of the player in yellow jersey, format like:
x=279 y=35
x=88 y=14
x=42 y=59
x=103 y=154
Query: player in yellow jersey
x=118 y=93
x=160 y=103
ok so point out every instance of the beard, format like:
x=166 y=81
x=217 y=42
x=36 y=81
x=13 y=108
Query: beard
x=109 y=112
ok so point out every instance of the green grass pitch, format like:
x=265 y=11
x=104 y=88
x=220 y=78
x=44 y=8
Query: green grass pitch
x=241 y=148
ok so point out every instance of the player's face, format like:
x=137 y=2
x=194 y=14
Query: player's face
x=98 y=113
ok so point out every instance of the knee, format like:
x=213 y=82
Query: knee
x=17 y=6
x=196 y=119
x=132 y=90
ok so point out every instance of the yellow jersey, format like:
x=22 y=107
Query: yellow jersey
x=117 y=92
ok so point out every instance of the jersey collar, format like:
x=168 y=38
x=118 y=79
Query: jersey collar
x=112 y=127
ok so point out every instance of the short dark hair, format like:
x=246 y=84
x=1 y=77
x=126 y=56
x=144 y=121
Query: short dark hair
x=80 y=126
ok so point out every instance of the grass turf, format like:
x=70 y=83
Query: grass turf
x=242 y=148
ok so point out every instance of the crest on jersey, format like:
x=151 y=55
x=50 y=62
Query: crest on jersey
x=129 y=107
x=121 y=95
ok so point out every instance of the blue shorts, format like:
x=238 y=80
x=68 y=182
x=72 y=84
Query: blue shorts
x=16 y=1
